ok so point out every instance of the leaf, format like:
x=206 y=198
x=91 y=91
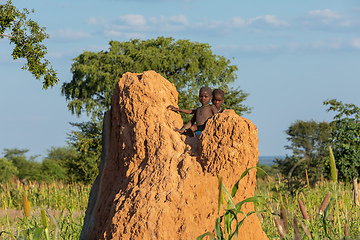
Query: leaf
x=236 y=186
x=238 y=225
x=212 y=237
x=231 y=200
x=218 y=230
x=332 y=165
x=254 y=199
x=43 y=218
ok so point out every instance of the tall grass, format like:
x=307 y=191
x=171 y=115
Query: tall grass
x=326 y=211
x=56 y=195
x=55 y=211
x=42 y=211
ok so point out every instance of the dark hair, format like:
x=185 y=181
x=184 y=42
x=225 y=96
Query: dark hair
x=218 y=92
x=206 y=89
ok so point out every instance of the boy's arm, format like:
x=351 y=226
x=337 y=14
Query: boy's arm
x=175 y=109
x=187 y=111
x=188 y=125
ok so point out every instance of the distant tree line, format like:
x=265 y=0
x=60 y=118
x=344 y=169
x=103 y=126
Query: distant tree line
x=309 y=142
x=61 y=163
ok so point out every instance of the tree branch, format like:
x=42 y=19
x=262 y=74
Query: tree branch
x=295 y=165
x=5 y=35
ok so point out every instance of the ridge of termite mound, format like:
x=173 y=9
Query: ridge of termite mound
x=149 y=185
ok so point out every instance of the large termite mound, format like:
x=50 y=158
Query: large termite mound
x=150 y=185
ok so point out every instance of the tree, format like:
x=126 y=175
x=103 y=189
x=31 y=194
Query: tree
x=27 y=36
x=88 y=143
x=51 y=170
x=58 y=163
x=308 y=142
x=27 y=168
x=7 y=170
x=188 y=65
x=345 y=138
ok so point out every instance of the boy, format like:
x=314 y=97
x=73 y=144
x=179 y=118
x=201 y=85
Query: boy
x=218 y=99
x=201 y=114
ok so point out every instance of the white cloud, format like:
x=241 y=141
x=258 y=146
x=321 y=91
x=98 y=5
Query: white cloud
x=355 y=42
x=310 y=47
x=117 y=34
x=329 y=20
x=238 y=22
x=69 y=34
x=269 y=20
x=180 y=19
x=260 y=48
x=248 y=49
x=137 y=25
x=140 y=23
x=333 y=44
x=258 y=22
x=133 y=20
x=95 y=21
x=327 y=13
x=206 y=24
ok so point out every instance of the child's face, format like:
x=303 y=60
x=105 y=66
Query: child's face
x=204 y=97
x=217 y=101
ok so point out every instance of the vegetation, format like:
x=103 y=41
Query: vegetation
x=314 y=208
x=64 y=205
x=188 y=65
x=345 y=138
x=37 y=210
x=325 y=210
x=308 y=142
x=57 y=165
x=27 y=36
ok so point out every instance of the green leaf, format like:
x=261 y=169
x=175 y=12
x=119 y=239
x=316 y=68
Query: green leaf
x=236 y=186
x=212 y=237
x=332 y=165
x=254 y=199
x=218 y=231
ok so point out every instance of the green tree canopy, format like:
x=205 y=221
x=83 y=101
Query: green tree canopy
x=7 y=170
x=58 y=164
x=88 y=143
x=51 y=170
x=308 y=139
x=345 y=138
x=27 y=168
x=27 y=36
x=308 y=143
x=189 y=65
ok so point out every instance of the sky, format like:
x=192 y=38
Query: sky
x=291 y=56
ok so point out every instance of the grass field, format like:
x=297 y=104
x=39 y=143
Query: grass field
x=42 y=211
x=56 y=211
x=325 y=211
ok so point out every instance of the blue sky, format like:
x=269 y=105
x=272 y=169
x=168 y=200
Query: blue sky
x=291 y=55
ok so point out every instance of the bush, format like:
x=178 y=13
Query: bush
x=7 y=170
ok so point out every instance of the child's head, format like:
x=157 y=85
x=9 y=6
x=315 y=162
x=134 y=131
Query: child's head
x=218 y=98
x=205 y=95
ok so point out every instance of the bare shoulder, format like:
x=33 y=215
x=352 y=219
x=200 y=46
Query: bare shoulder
x=213 y=108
